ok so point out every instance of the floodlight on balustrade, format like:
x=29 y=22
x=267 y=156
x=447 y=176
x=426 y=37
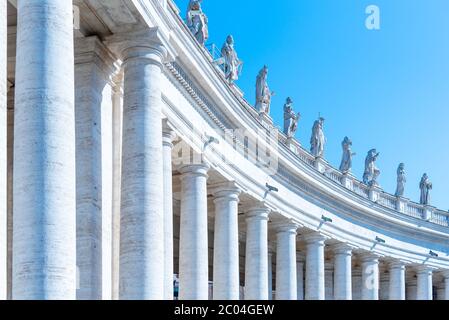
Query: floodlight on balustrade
x=380 y=240
x=326 y=219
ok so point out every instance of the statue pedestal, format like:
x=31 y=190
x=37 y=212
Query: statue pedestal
x=401 y=204
x=266 y=120
x=374 y=193
x=427 y=212
x=347 y=180
x=293 y=145
x=320 y=164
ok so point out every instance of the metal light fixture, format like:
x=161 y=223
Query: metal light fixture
x=433 y=254
x=326 y=219
x=210 y=141
x=380 y=240
x=271 y=188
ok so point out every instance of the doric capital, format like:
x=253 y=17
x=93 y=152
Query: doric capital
x=168 y=135
x=424 y=269
x=369 y=257
x=397 y=264
x=225 y=191
x=314 y=238
x=285 y=226
x=148 y=43
x=342 y=249
x=194 y=170
x=258 y=212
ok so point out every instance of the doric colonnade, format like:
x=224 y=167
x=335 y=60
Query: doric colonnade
x=94 y=189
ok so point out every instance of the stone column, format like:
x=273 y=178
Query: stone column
x=117 y=125
x=270 y=271
x=370 y=277
x=168 y=136
x=424 y=283
x=446 y=284
x=226 y=242
x=315 y=285
x=397 y=281
x=44 y=153
x=142 y=202
x=94 y=70
x=410 y=288
x=193 y=248
x=342 y=272
x=300 y=260
x=3 y=150
x=328 y=280
x=286 y=277
x=256 y=260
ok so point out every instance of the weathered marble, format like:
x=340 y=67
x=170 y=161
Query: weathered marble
x=226 y=242
x=256 y=265
x=193 y=251
x=401 y=180
x=315 y=267
x=286 y=274
x=94 y=68
x=424 y=283
x=168 y=135
x=3 y=152
x=425 y=186
x=397 y=281
x=342 y=272
x=44 y=153
x=370 y=277
x=300 y=261
x=318 y=140
x=142 y=218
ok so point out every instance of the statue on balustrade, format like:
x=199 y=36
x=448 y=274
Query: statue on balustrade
x=318 y=139
x=401 y=181
x=371 y=171
x=197 y=21
x=346 y=161
x=263 y=92
x=425 y=185
x=290 y=119
x=232 y=64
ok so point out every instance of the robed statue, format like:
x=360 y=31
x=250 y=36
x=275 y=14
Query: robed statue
x=318 y=139
x=290 y=119
x=425 y=185
x=346 y=161
x=371 y=171
x=401 y=180
x=263 y=92
x=232 y=64
x=197 y=21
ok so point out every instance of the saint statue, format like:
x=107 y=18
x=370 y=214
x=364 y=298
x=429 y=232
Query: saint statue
x=425 y=185
x=346 y=161
x=318 y=139
x=263 y=92
x=371 y=171
x=290 y=119
x=232 y=64
x=197 y=21
x=401 y=181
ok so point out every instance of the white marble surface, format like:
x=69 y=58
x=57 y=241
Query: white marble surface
x=342 y=272
x=286 y=274
x=3 y=152
x=44 y=153
x=315 y=282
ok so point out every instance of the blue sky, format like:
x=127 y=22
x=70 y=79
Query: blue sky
x=386 y=89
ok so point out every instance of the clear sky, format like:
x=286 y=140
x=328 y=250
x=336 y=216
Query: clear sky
x=386 y=89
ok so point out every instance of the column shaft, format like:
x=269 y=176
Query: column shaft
x=270 y=273
x=193 y=251
x=94 y=67
x=300 y=278
x=3 y=150
x=167 y=146
x=286 y=286
x=424 y=283
x=446 y=286
x=44 y=153
x=342 y=272
x=226 y=244
x=315 y=282
x=370 y=277
x=256 y=260
x=397 y=282
x=142 y=207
